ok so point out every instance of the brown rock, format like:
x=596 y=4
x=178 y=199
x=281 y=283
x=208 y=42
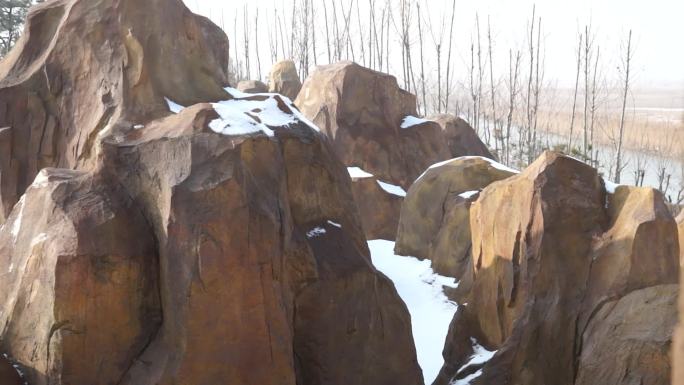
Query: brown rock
x=561 y=277
x=301 y=302
x=284 y=79
x=252 y=87
x=461 y=137
x=435 y=219
x=628 y=340
x=638 y=250
x=79 y=294
x=678 y=344
x=362 y=112
x=84 y=66
x=9 y=375
x=378 y=207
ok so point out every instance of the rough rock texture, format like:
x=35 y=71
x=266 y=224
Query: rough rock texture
x=252 y=87
x=435 y=219
x=678 y=345
x=80 y=300
x=462 y=139
x=284 y=79
x=232 y=241
x=8 y=375
x=176 y=254
x=362 y=111
x=60 y=87
x=379 y=209
x=629 y=339
x=555 y=267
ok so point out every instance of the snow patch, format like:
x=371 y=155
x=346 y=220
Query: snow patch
x=173 y=106
x=468 y=379
x=16 y=226
x=138 y=126
x=339 y=226
x=392 y=189
x=315 y=232
x=480 y=356
x=251 y=115
x=493 y=163
x=468 y=194
x=611 y=186
x=356 y=172
x=422 y=291
x=410 y=121
x=40 y=238
x=41 y=179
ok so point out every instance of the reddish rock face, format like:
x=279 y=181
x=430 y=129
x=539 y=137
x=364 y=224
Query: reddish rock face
x=379 y=206
x=362 y=112
x=60 y=87
x=555 y=267
x=678 y=348
x=197 y=248
x=284 y=79
x=80 y=296
x=462 y=139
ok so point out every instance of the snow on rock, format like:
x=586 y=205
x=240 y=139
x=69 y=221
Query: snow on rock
x=392 y=189
x=468 y=194
x=356 y=172
x=480 y=356
x=611 y=186
x=251 y=113
x=16 y=226
x=493 y=163
x=315 y=232
x=466 y=380
x=173 y=106
x=422 y=291
x=339 y=226
x=41 y=179
x=410 y=121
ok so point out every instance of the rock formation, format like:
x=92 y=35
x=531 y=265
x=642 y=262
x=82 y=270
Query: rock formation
x=559 y=273
x=284 y=79
x=462 y=139
x=379 y=204
x=252 y=87
x=61 y=87
x=435 y=219
x=678 y=347
x=371 y=122
x=218 y=245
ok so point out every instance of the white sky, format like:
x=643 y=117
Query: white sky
x=658 y=28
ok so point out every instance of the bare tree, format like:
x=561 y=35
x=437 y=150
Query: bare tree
x=574 y=100
x=626 y=63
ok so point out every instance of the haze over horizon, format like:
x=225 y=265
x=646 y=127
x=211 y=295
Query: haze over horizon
x=656 y=26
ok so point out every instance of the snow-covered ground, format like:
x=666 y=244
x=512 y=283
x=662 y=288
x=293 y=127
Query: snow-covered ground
x=421 y=289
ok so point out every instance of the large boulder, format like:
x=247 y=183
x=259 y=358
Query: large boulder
x=461 y=138
x=284 y=79
x=557 y=263
x=379 y=204
x=80 y=300
x=678 y=348
x=219 y=245
x=85 y=66
x=371 y=122
x=629 y=339
x=212 y=246
x=435 y=216
x=252 y=87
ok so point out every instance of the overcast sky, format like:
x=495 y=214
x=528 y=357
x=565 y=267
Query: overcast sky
x=658 y=27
